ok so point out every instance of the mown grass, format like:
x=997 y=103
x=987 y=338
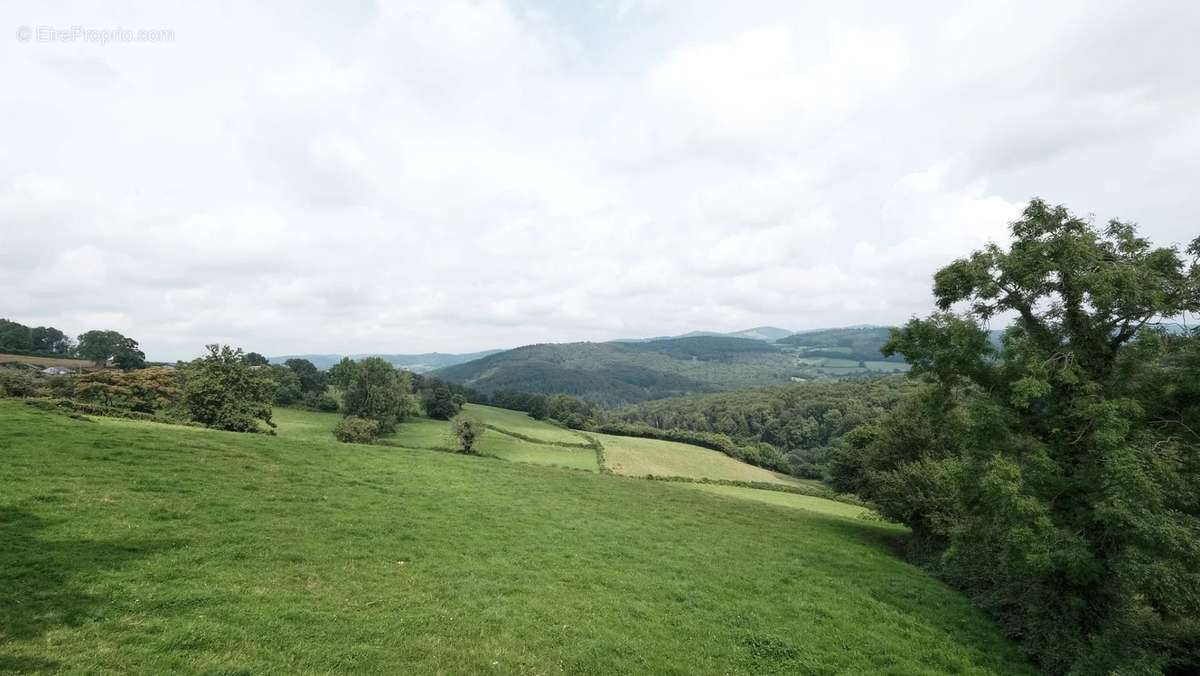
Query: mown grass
x=134 y=547
x=635 y=456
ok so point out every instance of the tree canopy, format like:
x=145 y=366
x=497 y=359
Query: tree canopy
x=101 y=346
x=1055 y=478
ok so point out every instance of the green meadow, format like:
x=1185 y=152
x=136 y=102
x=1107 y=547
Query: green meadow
x=135 y=547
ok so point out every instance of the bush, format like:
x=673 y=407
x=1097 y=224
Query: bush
x=356 y=430
x=320 y=401
x=467 y=431
x=15 y=383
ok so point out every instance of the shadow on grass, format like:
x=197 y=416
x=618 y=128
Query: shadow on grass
x=42 y=580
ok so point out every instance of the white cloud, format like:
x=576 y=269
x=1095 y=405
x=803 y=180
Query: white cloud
x=465 y=175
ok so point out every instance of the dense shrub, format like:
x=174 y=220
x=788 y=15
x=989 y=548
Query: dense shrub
x=441 y=403
x=320 y=401
x=16 y=383
x=467 y=431
x=224 y=393
x=356 y=430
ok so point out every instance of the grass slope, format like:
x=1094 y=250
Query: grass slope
x=634 y=456
x=133 y=547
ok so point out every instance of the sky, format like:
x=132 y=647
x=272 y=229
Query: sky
x=351 y=177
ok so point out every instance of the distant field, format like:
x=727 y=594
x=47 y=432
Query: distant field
x=47 y=361
x=435 y=434
x=635 y=456
x=133 y=547
x=521 y=423
x=812 y=504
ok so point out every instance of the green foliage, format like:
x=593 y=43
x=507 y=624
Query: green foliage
x=311 y=378
x=224 y=393
x=287 y=385
x=440 y=403
x=467 y=431
x=319 y=401
x=101 y=346
x=50 y=341
x=341 y=373
x=18 y=383
x=1055 y=480
x=380 y=392
x=150 y=390
x=803 y=422
x=355 y=430
x=15 y=337
x=255 y=359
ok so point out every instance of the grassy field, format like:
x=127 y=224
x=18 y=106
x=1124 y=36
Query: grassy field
x=134 y=547
x=520 y=423
x=635 y=456
x=47 y=362
x=812 y=504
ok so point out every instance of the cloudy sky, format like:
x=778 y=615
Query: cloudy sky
x=454 y=176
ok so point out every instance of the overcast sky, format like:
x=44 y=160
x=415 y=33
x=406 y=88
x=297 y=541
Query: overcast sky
x=455 y=176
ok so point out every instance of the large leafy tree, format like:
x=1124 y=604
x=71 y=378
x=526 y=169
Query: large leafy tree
x=378 y=391
x=1056 y=478
x=49 y=340
x=15 y=337
x=311 y=378
x=223 y=392
x=101 y=346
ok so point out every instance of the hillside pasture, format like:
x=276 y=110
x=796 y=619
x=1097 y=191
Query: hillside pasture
x=133 y=547
x=635 y=456
x=519 y=423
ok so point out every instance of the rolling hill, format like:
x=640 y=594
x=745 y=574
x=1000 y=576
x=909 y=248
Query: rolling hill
x=767 y=333
x=136 y=547
x=417 y=363
x=858 y=343
x=616 y=372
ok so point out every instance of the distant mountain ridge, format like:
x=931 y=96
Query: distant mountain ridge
x=417 y=363
x=765 y=333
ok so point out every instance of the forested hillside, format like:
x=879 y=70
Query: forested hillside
x=618 y=373
x=805 y=421
x=859 y=343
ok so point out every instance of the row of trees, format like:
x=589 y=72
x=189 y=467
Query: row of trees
x=1056 y=478
x=47 y=341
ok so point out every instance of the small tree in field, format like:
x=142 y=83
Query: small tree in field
x=467 y=431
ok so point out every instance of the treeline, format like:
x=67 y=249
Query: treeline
x=791 y=429
x=1056 y=478
x=233 y=390
x=101 y=347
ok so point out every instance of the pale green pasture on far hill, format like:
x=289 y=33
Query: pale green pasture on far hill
x=635 y=456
